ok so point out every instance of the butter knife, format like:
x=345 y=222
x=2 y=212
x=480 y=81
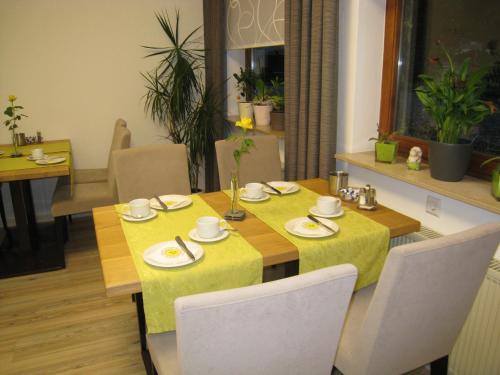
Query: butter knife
x=271 y=187
x=183 y=246
x=311 y=217
x=162 y=204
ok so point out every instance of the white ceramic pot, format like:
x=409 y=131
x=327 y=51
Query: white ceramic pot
x=246 y=110
x=262 y=115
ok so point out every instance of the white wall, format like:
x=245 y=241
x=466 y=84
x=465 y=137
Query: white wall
x=360 y=75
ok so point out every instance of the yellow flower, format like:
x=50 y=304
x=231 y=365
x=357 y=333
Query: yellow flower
x=12 y=98
x=245 y=123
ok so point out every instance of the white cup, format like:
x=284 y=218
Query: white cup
x=139 y=207
x=327 y=205
x=37 y=153
x=254 y=190
x=208 y=226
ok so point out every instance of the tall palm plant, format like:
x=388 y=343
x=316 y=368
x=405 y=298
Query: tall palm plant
x=177 y=96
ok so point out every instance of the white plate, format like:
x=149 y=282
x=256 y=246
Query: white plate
x=314 y=210
x=173 y=201
x=54 y=160
x=304 y=227
x=156 y=254
x=2 y=152
x=193 y=234
x=284 y=186
x=264 y=197
x=152 y=214
x=30 y=158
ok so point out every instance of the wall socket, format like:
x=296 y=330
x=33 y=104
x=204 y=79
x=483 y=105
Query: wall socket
x=433 y=206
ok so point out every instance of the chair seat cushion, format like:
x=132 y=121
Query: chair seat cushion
x=163 y=350
x=84 y=198
x=355 y=316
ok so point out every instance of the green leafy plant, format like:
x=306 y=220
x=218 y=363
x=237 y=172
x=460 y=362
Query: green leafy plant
x=262 y=96
x=245 y=83
x=453 y=99
x=383 y=137
x=14 y=113
x=177 y=96
x=496 y=158
x=277 y=96
x=246 y=144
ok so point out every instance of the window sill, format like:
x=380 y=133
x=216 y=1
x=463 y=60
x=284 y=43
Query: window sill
x=470 y=190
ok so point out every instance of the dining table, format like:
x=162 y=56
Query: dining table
x=122 y=276
x=34 y=248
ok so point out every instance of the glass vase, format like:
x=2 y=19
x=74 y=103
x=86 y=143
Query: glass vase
x=15 y=153
x=235 y=191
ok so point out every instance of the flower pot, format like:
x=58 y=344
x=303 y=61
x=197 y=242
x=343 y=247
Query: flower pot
x=449 y=162
x=245 y=109
x=495 y=184
x=278 y=120
x=263 y=116
x=386 y=152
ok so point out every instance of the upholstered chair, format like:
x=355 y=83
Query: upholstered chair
x=261 y=164
x=146 y=171
x=290 y=326
x=414 y=314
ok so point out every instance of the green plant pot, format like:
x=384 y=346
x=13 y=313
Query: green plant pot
x=495 y=184
x=386 y=152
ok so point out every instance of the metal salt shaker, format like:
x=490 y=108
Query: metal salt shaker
x=338 y=180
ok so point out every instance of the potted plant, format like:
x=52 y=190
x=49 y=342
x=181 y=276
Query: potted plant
x=245 y=83
x=278 y=100
x=15 y=115
x=454 y=103
x=262 y=106
x=386 y=149
x=495 y=177
x=178 y=98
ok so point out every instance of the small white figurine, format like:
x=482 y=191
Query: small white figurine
x=414 y=159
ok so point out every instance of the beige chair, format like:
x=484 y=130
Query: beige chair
x=416 y=311
x=289 y=326
x=261 y=164
x=91 y=187
x=142 y=172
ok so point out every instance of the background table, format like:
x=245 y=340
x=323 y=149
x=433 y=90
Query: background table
x=31 y=252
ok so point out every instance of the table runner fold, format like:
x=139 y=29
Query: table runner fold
x=360 y=241
x=230 y=263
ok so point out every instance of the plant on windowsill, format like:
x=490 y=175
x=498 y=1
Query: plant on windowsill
x=454 y=103
x=13 y=112
x=245 y=84
x=262 y=106
x=278 y=100
x=495 y=177
x=386 y=149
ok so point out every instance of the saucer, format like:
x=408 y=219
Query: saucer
x=54 y=160
x=31 y=158
x=314 y=210
x=193 y=234
x=152 y=214
x=264 y=197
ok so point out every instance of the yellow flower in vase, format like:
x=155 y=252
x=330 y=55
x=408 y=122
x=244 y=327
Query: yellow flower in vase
x=12 y=98
x=245 y=123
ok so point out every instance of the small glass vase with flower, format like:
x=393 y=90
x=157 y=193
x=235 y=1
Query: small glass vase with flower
x=14 y=114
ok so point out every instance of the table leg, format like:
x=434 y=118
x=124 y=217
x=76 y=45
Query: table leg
x=292 y=268
x=24 y=213
x=141 y=319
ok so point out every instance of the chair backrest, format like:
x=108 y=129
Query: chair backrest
x=261 y=164
x=142 y=172
x=422 y=299
x=289 y=326
x=120 y=141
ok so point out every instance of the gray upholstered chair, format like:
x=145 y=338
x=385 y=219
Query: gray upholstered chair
x=91 y=188
x=289 y=326
x=261 y=164
x=142 y=172
x=416 y=311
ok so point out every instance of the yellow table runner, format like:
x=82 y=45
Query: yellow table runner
x=360 y=241
x=230 y=263
x=59 y=148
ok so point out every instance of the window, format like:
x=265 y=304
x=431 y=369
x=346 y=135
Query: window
x=465 y=28
x=269 y=63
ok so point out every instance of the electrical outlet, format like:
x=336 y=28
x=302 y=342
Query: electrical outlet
x=433 y=206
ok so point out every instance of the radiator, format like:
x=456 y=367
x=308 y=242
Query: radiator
x=477 y=349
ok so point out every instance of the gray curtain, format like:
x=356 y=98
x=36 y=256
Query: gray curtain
x=311 y=54
x=214 y=21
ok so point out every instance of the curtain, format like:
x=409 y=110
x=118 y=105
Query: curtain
x=214 y=21
x=311 y=58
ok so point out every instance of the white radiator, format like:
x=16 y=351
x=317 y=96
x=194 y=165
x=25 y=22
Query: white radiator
x=477 y=349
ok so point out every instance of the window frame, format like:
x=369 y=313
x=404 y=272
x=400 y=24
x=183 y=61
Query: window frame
x=388 y=95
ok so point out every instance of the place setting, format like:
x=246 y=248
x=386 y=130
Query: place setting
x=253 y=192
x=170 y=202
x=172 y=254
x=37 y=155
x=210 y=229
x=280 y=187
x=138 y=210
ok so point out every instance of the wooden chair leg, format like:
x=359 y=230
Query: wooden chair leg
x=440 y=366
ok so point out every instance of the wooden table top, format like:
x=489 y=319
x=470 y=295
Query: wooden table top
x=120 y=275
x=54 y=170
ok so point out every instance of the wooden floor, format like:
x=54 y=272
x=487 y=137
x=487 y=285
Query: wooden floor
x=62 y=322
